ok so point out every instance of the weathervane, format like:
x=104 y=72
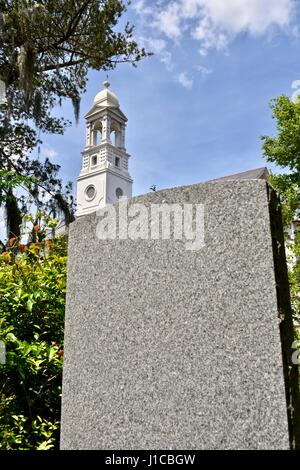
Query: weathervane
x=106 y=82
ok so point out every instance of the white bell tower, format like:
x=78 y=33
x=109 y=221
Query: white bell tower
x=104 y=176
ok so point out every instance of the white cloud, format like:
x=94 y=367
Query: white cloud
x=158 y=47
x=48 y=152
x=215 y=22
x=169 y=21
x=208 y=36
x=141 y=8
x=212 y=24
x=155 y=45
x=203 y=70
x=185 y=81
x=167 y=60
x=254 y=16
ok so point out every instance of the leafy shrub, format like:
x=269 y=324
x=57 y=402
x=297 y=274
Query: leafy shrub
x=32 y=304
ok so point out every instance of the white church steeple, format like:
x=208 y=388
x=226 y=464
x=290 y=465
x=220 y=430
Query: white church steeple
x=104 y=176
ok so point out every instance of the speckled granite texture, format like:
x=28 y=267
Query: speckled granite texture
x=173 y=349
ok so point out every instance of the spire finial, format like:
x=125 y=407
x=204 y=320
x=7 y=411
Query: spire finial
x=106 y=82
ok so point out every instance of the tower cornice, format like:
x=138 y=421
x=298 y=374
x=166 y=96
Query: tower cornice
x=92 y=114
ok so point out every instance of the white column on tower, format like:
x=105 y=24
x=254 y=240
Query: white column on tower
x=123 y=127
x=88 y=134
x=105 y=129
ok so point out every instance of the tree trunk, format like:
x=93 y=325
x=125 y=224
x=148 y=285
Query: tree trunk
x=13 y=216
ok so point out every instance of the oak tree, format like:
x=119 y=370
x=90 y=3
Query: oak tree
x=47 y=48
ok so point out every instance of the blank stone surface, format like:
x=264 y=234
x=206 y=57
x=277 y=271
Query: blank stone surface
x=173 y=349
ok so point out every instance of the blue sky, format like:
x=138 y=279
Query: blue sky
x=197 y=108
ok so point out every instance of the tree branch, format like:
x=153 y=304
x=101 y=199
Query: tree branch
x=48 y=68
x=72 y=25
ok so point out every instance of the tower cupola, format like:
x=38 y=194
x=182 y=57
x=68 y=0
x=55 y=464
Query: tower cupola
x=104 y=176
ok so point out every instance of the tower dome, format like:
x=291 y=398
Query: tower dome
x=106 y=97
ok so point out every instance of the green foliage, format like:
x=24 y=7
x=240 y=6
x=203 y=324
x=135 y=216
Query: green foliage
x=10 y=180
x=295 y=277
x=290 y=196
x=284 y=150
x=32 y=303
x=48 y=47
